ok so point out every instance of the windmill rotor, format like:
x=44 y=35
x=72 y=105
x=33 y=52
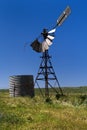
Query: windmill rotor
x=48 y=38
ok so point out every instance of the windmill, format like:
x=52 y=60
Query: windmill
x=42 y=44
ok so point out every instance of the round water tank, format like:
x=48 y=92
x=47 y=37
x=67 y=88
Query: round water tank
x=21 y=85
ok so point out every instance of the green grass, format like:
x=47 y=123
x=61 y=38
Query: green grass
x=24 y=113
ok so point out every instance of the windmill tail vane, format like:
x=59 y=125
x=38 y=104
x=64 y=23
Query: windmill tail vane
x=49 y=35
x=63 y=16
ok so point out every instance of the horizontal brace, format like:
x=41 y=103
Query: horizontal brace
x=42 y=67
x=44 y=79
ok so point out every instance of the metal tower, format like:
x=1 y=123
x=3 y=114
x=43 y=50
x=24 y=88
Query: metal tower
x=47 y=74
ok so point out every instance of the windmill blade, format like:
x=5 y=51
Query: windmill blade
x=63 y=16
x=49 y=42
x=52 y=31
x=44 y=46
x=50 y=37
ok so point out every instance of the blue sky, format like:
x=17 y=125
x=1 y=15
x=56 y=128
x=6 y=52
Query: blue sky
x=23 y=20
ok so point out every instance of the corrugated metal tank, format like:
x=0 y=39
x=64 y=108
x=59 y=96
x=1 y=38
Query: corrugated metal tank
x=21 y=85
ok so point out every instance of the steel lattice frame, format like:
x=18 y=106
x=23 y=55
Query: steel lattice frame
x=47 y=74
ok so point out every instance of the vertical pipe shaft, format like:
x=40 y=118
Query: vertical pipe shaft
x=46 y=75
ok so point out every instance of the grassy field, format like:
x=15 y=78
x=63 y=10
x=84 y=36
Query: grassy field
x=24 y=113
